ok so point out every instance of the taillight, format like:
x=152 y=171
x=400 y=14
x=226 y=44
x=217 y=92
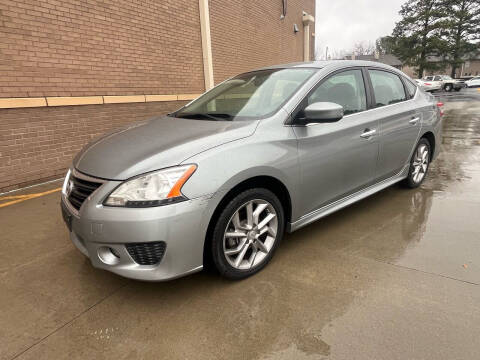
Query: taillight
x=440 y=105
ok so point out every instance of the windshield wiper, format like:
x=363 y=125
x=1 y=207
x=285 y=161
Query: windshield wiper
x=221 y=115
x=212 y=116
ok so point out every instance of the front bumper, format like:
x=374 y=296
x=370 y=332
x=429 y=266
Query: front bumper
x=96 y=228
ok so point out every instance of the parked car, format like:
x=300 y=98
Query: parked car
x=222 y=178
x=444 y=82
x=473 y=82
x=429 y=85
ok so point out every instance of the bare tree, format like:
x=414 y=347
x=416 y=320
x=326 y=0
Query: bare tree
x=364 y=48
x=337 y=54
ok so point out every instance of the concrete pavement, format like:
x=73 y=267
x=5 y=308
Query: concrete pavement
x=396 y=276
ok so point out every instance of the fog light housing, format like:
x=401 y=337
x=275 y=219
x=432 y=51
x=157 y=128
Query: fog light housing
x=108 y=255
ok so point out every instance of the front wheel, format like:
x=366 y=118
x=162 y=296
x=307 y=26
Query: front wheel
x=247 y=232
x=448 y=87
x=418 y=164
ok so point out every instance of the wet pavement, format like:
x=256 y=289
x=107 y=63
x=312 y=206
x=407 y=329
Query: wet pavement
x=395 y=276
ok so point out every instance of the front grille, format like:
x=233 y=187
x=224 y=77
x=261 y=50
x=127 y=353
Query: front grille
x=79 y=190
x=147 y=253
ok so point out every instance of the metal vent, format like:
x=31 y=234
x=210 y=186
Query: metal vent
x=147 y=253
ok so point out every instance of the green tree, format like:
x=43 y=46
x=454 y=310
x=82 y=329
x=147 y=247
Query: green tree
x=417 y=34
x=460 y=31
x=385 y=45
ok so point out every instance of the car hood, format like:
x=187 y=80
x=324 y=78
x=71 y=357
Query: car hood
x=155 y=144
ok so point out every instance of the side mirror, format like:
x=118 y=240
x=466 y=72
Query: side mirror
x=320 y=112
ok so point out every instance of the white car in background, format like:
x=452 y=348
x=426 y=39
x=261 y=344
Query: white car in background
x=439 y=82
x=428 y=84
x=473 y=82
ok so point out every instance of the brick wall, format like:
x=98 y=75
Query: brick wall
x=119 y=47
x=38 y=144
x=249 y=34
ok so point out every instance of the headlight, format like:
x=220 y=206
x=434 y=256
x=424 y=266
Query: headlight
x=152 y=189
x=66 y=184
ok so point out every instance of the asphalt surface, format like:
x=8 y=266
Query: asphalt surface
x=395 y=276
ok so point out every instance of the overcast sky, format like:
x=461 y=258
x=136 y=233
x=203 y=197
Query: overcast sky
x=339 y=24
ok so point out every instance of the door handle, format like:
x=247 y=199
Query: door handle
x=414 y=120
x=368 y=133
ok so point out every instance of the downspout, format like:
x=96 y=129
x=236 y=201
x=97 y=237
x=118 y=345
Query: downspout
x=307 y=20
x=206 y=43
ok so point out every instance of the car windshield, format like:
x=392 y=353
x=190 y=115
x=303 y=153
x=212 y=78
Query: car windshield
x=446 y=77
x=248 y=96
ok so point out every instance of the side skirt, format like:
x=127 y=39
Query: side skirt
x=348 y=200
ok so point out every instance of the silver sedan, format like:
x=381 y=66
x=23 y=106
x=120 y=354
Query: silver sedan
x=220 y=180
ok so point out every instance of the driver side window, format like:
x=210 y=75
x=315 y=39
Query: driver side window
x=345 y=88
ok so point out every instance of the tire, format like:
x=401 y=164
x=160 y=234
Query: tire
x=255 y=249
x=448 y=87
x=419 y=164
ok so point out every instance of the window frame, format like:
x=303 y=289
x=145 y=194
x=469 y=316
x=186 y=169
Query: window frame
x=293 y=120
x=402 y=80
x=405 y=80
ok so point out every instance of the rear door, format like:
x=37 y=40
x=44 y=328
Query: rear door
x=399 y=121
x=338 y=158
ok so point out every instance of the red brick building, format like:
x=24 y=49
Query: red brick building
x=71 y=70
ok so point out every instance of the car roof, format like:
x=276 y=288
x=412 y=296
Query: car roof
x=329 y=64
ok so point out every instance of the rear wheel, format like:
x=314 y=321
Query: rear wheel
x=418 y=164
x=247 y=232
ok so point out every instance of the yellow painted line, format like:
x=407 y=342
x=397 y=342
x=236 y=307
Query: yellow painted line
x=27 y=197
x=12 y=197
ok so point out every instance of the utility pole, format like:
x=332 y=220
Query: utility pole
x=326 y=53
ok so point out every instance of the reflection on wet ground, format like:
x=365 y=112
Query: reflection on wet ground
x=395 y=276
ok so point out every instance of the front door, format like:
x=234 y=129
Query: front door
x=339 y=158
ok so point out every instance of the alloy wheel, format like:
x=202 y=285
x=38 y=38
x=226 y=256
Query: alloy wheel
x=250 y=234
x=420 y=163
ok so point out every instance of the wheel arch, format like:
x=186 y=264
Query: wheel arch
x=261 y=181
x=431 y=139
